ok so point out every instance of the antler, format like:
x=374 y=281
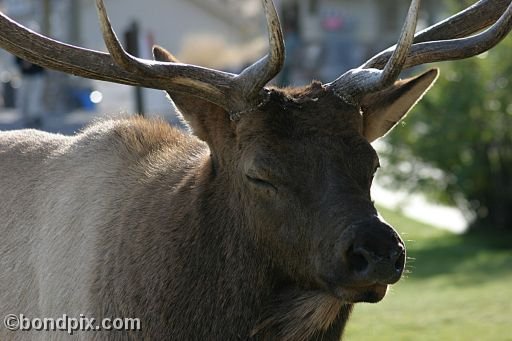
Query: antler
x=471 y=20
x=254 y=77
x=447 y=40
x=356 y=82
x=232 y=92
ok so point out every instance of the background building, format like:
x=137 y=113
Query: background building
x=328 y=37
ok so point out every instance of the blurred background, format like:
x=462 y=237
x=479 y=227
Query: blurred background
x=446 y=177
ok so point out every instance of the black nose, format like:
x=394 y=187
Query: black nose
x=376 y=254
x=367 y=265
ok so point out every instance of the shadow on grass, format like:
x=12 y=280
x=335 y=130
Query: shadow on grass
x=473 y=257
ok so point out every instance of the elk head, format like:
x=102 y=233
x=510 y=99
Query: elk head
x=298 y=161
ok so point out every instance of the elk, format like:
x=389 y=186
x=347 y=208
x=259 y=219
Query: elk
x=257 y=226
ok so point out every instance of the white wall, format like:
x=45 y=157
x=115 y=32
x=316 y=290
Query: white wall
x=168 y=20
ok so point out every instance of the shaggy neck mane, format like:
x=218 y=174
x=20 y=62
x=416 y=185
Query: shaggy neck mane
x=303 y=315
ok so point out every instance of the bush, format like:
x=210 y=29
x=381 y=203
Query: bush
x=457 y=144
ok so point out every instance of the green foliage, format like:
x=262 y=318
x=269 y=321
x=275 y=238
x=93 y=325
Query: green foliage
x=457 y=288
x=457 y=143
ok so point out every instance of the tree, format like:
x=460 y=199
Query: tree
x=457 y=144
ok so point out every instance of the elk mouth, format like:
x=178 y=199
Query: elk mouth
x=370 y=294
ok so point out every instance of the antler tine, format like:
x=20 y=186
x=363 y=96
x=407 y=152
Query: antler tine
x=114 y=47
x=464 y=23
x=357 y=82
x=204 y=84
x=396 y=62
x=256 y=76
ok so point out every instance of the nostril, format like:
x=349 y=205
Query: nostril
x=357 y=260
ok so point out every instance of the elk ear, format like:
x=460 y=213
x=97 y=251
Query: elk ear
x=201 y=115
x=384 y=109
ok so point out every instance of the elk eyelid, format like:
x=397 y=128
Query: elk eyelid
x=261 y=182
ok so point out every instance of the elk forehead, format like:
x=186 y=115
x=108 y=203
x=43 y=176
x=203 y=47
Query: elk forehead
x=303 y=112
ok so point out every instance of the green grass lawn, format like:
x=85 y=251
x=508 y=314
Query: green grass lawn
x=456 y=288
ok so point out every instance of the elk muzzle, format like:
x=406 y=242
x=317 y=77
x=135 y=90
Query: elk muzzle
x=372 y=253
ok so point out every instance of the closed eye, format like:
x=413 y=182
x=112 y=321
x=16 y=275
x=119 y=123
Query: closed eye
x=261 y=183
